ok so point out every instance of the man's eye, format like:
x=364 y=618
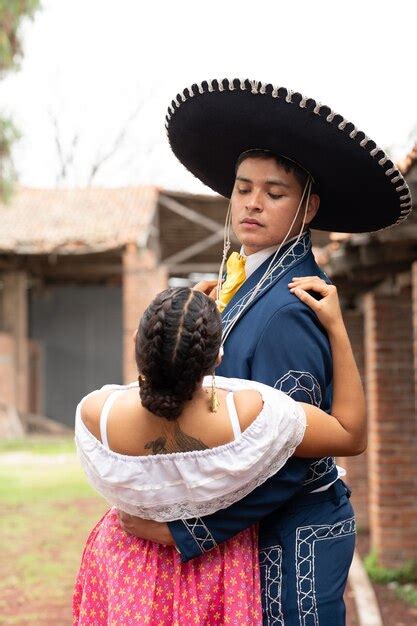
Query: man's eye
x=275 y=196
x=243 y=190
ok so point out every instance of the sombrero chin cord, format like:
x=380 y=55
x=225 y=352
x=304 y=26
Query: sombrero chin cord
x=273 y=263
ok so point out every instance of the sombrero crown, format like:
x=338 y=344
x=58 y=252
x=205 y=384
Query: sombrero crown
x=210 y=124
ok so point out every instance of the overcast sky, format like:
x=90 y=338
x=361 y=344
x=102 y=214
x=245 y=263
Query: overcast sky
x=91 y=64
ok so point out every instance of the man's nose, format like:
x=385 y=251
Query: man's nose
x=254 y=202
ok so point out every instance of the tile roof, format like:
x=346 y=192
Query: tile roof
x=408 y=161
x=75 y=221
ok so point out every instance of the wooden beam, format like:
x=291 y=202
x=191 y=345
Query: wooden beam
x=372 y=275
x=80 y=272
x=199 y=268
x=190 y=214
x=383 y=258
x=406 y=232
x=193 y=250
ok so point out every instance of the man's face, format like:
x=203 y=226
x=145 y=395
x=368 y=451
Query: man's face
x=264 y=201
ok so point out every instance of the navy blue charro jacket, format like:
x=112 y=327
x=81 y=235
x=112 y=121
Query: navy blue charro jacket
x=280 y=342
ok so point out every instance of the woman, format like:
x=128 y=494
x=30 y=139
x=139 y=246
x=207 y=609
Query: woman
x=189 y=449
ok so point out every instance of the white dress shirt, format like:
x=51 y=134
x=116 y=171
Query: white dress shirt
x=255 y=260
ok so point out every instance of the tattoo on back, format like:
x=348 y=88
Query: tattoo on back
x=157 y=446
x=177 y=441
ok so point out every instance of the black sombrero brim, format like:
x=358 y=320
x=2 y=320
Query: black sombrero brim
x=211 y=124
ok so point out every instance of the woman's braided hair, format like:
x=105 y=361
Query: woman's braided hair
x=177 y=344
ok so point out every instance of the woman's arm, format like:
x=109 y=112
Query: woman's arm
x=344 y=432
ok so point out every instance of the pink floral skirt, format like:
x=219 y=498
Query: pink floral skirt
x=126 y=581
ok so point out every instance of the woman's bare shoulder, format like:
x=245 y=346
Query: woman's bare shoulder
x=248 y=404
x=91 y=408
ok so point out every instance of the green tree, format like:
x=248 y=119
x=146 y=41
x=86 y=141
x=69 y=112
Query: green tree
x=12 y=12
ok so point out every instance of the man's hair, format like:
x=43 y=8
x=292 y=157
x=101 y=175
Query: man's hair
x=289 y=166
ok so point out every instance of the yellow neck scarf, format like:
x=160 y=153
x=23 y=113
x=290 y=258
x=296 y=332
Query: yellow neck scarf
x=235 y=277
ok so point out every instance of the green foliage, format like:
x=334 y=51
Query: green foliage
x=12 y=12
x=8 y=134
x=405 y=574
x=408 y=593
x=400 y=579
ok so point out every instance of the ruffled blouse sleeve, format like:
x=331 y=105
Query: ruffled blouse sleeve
x=167 y=487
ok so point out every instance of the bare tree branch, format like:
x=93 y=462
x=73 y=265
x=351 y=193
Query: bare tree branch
x=117 y=143
x=66 y=159
x=66 y=151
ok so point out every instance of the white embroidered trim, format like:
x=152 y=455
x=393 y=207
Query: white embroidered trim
x=270 y=563
x=296 y=99
x=200 y=533
x=320 y=468
x=305 y=564
x=289 y=257
x=294 y=381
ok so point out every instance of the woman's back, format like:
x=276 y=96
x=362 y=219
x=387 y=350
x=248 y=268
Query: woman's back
x=116 y=417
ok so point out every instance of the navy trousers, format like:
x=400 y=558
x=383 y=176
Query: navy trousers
x=305 y=560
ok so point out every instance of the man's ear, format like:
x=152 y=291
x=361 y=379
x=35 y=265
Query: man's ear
x=313 y=207
x=135 y=334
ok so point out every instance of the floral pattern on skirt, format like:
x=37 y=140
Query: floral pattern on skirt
x=126 y=581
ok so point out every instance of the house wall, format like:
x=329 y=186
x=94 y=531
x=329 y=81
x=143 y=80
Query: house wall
x=77 y=330
x=7 y=372
x=384 y=479
x=142 y=280
x=357 y=466
x=392 y=426
x=14 y=323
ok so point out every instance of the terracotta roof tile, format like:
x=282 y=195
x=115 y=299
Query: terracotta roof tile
x=71 y=221
x=408 y=161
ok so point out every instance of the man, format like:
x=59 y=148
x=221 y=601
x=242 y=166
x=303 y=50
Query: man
x=307 y=525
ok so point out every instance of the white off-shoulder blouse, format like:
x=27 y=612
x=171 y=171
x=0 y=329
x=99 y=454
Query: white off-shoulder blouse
x=181 y=485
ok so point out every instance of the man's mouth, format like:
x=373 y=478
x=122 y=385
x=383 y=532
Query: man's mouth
x=250 y=222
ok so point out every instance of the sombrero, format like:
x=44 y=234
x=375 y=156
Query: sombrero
x=210 y=124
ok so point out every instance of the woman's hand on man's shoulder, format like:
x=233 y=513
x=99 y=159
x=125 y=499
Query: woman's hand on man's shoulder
x=327 y=307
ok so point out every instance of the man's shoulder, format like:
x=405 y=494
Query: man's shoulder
x=306 y=267
x=277 y=300
x=280 y=302
x=308 y=264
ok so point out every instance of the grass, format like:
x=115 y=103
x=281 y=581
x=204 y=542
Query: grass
x=39 y=445
x=408 y=593
x=402 y=580
x=29 y=481
x=46 y=511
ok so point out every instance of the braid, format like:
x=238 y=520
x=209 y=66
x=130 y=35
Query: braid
x=177 y=344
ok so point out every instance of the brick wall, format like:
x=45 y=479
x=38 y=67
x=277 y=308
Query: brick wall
x=7 y=374
x=392 y=451
x=142 y=280
x=357 y=466
x=15 y=322
x=414 y=322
